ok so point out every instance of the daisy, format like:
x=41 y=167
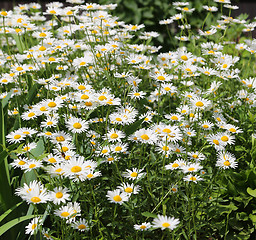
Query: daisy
x=196 y=156
x=177 y=164
x=19 y=163
x=81 y=225
x=191 y=167
x=119 y=147
x=214 y=140
x=31 y=164
x=60 y=137
x=28 y=131
x=117 y=196
x=226 y=138
x=164 y=148
x=226 y=160
x=129 y=188
x=56 y=170
x=137 y=94
x=76 y=125
x=174 y=117
x=115 y=135
x=206 y=125
x=64 y=212
x=35 y=194
x=15 y=137
x=142 y=227
x=233 y=129
x=134 y=174
x=174 y=188
x=29 y=146
x=90 y=174
x=33 y=226
x=60 y=195
x=200 y=103
x=146 y=136
x=29 y=115
x=74 y=168
x=192 y=178
x=52 y=159
x=165 y=222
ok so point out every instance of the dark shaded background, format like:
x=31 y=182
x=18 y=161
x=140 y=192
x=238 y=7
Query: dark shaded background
x=245 y=6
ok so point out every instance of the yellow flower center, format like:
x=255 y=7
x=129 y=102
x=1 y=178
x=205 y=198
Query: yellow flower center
x=166 y=225
x=31 y=114
x=165 y=148
x=226 y=163
x=64 y=149
x=215 y=141
x=52 y=160
x=104 y=151
x=35 y=199
x=21 y=162
x=128 y=190
x=143 y=227
x=205 y=126
x=175 y=118
x=134 y=174
x=17 y=136
x=192 y=178
x=59 y=195
x=191 y=169
x=64 y=214
x=166 y=130
x=52 y=104
x=101 y=98
x=117 y=149
x=42 y=35
x=224 y=138
x=76 y=169
x=49 y=123
x=77 y=125
x=113 y=136
x=199 y=104
x=118 y=119
x=184 y=57
x=175 y=165
x=232 y=130
x=42 y=48
x=195 y=156
x=32 y=165
x=161 y=78
x=185 y=9
x=117 y=198
x=144 y=137
x=81 y=226
x=34 y=226
x=90 y=175
x=60 y=139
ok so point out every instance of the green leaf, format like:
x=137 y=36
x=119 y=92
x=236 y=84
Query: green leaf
x=251 y=192
x=9 y=211
x=19 y=42
x=32 y=93
x=133 y=127
x=6 y=99
x=14 y=222
x=39 y=148
x=253 y=218
x=149 y=214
